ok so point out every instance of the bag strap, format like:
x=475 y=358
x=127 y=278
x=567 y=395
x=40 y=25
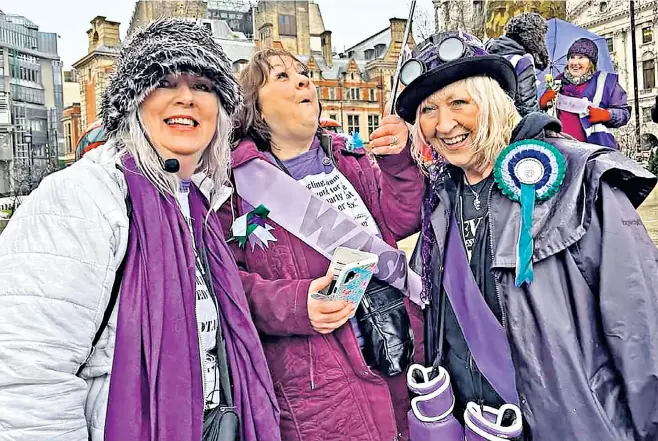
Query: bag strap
x=225 y=388
x=114 y=295
x=222 y=365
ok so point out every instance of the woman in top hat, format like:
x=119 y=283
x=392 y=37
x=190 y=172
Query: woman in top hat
x=605 y=106
x=160 y=362
x=539 y=279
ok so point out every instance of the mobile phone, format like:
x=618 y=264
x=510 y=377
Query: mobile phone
x=352 y=271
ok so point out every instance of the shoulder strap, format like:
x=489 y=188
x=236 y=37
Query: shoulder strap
x=226 y=390
x=114 y=294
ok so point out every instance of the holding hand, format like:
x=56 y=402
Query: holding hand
x=598 y=115
x=327 y=315
x=391 y=136
x=546 y=98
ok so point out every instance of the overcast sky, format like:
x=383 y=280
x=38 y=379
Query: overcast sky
x=350 y=20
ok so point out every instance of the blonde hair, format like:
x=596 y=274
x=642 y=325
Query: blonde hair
x=497 y=117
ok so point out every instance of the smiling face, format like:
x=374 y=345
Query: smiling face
x=579 y=65
x=288 y=100
x=180 y=115
x=448 y=121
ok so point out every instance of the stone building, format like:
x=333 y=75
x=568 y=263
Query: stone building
x=296 y=25
x=611 y=19
x=147 y=11
x=94 y=69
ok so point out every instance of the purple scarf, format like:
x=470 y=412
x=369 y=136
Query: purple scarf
x=156 y=391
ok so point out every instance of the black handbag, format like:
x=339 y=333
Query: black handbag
x=386 y=328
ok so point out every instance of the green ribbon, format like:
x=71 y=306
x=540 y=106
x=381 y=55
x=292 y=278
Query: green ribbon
x=525 y=244
x=262 y=212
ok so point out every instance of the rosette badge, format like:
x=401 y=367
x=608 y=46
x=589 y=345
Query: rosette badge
x=526 y=172
x=252 y=228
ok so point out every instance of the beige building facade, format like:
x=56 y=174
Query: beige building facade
x=296 y=24
x=148 y=10
x=94 y=69
x=611 y=20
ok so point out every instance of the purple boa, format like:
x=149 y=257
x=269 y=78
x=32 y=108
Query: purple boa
x=156 y=392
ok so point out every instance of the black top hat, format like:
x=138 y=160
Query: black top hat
x=443 y=59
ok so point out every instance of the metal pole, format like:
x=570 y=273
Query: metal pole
x=405 y=39
x=635 y=79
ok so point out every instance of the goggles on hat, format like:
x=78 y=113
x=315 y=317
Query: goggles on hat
x=450 y=48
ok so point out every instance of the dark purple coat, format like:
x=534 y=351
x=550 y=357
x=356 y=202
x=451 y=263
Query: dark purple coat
x=324 y=387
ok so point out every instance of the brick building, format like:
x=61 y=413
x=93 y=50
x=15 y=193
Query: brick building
x=355 y=87
x=95 y=68
x=72 y=129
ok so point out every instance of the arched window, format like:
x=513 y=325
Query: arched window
x=648 y=70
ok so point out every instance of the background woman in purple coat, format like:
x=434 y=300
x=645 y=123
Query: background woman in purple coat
x=325 y=388
x=607 y=107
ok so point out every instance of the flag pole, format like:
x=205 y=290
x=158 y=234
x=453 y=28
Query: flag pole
x=405 y=39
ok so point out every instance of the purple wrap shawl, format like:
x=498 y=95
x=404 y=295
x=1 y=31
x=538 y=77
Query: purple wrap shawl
x=156 y=390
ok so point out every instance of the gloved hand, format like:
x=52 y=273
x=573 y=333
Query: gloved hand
x=546 y=98
x=598 y=115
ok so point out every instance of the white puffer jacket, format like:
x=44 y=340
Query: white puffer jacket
x=58 y=258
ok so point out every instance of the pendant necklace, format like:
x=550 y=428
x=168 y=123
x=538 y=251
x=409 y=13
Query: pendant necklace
x=477 y=203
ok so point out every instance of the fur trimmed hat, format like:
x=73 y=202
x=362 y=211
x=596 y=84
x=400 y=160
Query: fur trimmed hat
x=586 y=48
x=164 y=47
x=529 y=30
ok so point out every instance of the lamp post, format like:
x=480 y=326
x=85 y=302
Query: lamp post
x=635 y=148
x=27 y=139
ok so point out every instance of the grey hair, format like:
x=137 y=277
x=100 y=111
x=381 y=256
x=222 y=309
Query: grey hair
x=215 y=161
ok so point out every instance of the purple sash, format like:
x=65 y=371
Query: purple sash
x=484 y=335
x=319 y=224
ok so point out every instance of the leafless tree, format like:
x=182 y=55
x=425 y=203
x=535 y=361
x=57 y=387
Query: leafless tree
x=626 y=139
x=465 y=15
x=423 y=24
x=25 y=177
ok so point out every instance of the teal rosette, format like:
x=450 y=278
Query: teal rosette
x=528 y=171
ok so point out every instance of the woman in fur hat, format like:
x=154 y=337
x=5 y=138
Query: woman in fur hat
x=540 y=283
x=589 y=102
x=127 y=219
x=523 y=46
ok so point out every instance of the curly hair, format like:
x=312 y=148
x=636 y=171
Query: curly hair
x=529 y=30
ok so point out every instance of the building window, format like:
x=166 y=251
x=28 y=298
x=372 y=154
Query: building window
x=352 y=76
x=646 y=114
x=287 y=25
x=332 y=93
x=647 y=35
x=478 y=8
x=373 y=123
x=649 y=74
x=333 y=116
x=352 y=124
x=355 y=93
x=611 y=44
x=373 y=95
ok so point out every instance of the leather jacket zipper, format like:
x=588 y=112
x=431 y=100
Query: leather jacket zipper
x=491 y=250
